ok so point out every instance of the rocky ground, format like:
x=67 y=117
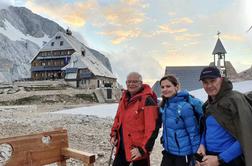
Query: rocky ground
x=86 y=133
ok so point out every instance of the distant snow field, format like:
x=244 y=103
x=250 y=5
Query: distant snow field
x=109 y=110
x=16 y=35
x=100 y=110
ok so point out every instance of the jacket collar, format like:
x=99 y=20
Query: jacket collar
x=145 y=90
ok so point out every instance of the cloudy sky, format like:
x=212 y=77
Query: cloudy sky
x=147 y=35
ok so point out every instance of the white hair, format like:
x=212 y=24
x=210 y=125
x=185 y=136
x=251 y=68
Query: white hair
x=135 y=74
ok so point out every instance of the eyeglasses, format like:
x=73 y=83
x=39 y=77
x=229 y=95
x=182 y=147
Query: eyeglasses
x=132 y=81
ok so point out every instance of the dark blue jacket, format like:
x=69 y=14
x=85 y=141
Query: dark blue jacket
x=180 y=129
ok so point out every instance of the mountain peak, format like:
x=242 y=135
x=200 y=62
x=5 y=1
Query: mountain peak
x=30 y=23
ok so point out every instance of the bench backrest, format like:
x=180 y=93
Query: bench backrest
x=37 y=149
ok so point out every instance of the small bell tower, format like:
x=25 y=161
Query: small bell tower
x=219 y=56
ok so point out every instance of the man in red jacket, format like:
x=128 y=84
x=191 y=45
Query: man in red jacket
x=136 y=123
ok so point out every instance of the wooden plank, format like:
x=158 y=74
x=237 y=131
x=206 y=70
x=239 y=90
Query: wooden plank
x=46 y=157
x=56 y=131
x=41 y=157
x=33 y=142
x=87 y=158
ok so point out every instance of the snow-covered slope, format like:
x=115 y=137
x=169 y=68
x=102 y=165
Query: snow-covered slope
x=16 y=35
x=29 y=23
x=109 y=110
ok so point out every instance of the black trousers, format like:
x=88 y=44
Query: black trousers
x=238 y=161
x=120 y=160
x=174 y=160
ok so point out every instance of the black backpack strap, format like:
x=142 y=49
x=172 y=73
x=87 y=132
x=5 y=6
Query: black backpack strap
x=149 y=101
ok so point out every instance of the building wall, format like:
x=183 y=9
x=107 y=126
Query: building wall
x=71 y=83
x=97 y=82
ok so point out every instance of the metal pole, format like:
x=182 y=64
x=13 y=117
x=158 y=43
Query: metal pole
x=111 y=153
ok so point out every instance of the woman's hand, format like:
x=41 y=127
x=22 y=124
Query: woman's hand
x=201 y=150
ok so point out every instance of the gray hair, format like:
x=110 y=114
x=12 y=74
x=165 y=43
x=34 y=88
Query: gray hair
x=135 y=74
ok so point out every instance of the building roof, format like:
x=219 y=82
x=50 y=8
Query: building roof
x=188 y=77
x=219 y=48
x=156 y=88
x=81 y=58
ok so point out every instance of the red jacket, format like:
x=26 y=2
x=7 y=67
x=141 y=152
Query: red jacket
x=139 y=122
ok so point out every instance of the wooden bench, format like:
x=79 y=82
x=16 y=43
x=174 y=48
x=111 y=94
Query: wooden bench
x=41 y=149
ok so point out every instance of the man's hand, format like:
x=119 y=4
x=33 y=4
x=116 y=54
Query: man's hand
x=209 y=160
x=113 y=141
x=135 y=153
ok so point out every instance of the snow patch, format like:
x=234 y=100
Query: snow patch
x=109 y=110
x=101 y=110
x=16 y=35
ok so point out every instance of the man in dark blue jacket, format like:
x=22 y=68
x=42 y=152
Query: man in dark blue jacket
x=228 y=123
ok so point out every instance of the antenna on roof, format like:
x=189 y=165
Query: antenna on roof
x=218 y=33
x=249 y=29
x=68 y=32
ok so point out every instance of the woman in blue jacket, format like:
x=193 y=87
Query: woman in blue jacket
x=181 y=136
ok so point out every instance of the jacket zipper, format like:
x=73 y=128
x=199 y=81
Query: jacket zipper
x=166 y=133
x=176 y=140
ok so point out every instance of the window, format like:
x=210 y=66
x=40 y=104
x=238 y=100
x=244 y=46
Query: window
x=52 y=44
x=57 y=37
x=83 y=52
x=61 y=43
x=84 y=82
x=63 y=53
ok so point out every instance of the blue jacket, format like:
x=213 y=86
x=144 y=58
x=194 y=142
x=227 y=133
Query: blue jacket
x=180 y=129
x=217 y=139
